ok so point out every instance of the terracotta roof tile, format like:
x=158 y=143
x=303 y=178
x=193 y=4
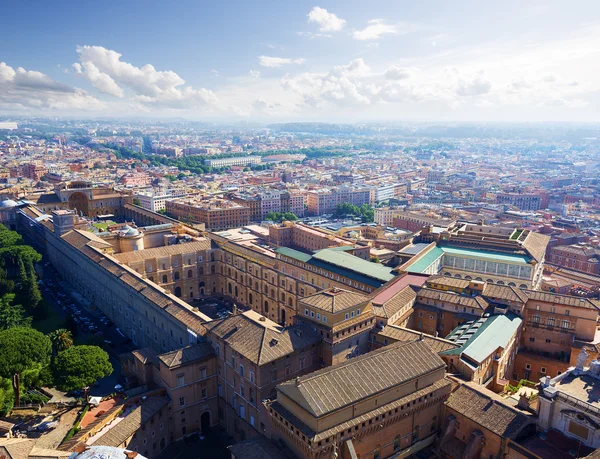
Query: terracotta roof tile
x=488 y=410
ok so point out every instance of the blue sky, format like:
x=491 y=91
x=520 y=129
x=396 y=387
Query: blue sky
x=296 y=60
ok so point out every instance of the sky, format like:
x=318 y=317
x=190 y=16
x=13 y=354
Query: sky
x=293 y=60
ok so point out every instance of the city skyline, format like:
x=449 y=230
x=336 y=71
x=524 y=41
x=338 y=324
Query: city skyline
x=307 y=61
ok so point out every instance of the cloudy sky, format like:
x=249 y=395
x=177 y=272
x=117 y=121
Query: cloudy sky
x=306 y=61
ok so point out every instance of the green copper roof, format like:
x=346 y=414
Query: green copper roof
x=295 y=254
x=425 y=261
x=480 y=338
x=354 y=263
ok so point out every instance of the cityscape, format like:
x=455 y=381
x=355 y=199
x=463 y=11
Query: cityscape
x=359 y=236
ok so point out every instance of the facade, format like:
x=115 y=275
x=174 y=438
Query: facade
x=254 y=354
x=153 y=202
x=480 y=424
x=348 y=410
x=384 y=216
x=504 y=256
x=189 y=376
x=216 y=214
x=235 y=161
x=583 y=258
x=569 y=403
x=530 y=202
x=324 y=201
x=344 y=320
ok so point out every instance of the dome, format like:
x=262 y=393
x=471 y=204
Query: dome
x=103 y=452
x=128 y=231
x=8 y=203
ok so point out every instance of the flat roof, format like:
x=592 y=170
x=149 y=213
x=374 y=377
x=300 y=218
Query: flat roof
x=487 y=254
x=344 y=264
x=425 y=261
x=480 y=338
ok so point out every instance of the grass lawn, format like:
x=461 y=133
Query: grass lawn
x=103 y=226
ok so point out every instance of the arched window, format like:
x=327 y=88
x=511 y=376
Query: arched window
x=236 y=291
x=266 y=306
x=165 y=279
x=290 y=301
x=212 y=269
x=229 y=288
x=397 y=443
x=176 y=275
x=250 y=298
x=190 y=274
x=283 y=297
x=178 y=291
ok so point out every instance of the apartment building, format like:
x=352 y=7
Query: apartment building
x=528 y=202
x=580 y=257
x=153 y=202
x=384 y=216
x=216 y=214
x=325 y=200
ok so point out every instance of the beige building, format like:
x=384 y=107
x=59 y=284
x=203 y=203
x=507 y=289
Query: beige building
x=216 y=214
x=351 y=410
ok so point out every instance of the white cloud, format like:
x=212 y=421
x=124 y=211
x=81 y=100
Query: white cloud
x=474 y=87
x=105 y=70
x=328 y=22
x=254 y=73
x=269 y=61
x=101 y=81
x=312 y=35
x=377 y=28
x=28 y=90
x=397 y=73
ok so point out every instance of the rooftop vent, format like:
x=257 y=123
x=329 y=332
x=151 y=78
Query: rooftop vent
x=274 y=342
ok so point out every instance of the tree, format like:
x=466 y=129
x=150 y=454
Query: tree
x=12 y=315
x=31 y=290
x=61 y=339
x=22 y=349
x=137 y=202
x=281 y=216
x=80 y=366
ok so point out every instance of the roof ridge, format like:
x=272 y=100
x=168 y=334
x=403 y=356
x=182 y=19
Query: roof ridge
x=352 y=362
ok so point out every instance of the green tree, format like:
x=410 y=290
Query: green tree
x=61 y=339
x=80 y=366
x=22 y=349
x=12 y=315
x=281 y=216
x=32 y=294
x=137 y=202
